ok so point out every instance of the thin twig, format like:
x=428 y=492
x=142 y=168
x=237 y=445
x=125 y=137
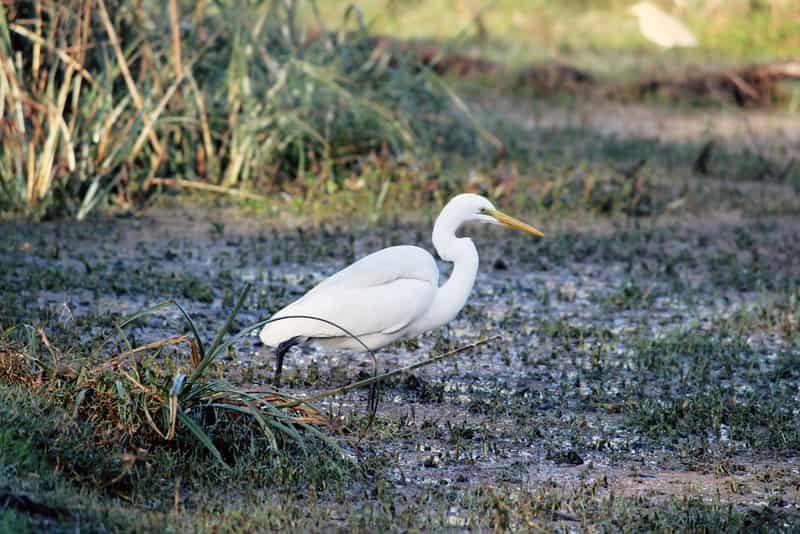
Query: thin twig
x=379 y=378
x=155 y=344
x=178 y=182
x=126 y=74
x=63 y=56
x=176 y=36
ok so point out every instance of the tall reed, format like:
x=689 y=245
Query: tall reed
x=106 y=100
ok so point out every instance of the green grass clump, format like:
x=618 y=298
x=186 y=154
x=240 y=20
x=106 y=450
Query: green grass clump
x=715 y=385
x=39 y=434
x=137 y=400
x=13 y=521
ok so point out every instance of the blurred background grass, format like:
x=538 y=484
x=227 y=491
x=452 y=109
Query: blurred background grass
x=100 y=101
x=113 y=102
x=599 y=35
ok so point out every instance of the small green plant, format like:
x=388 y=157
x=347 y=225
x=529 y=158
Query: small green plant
x=192 y=392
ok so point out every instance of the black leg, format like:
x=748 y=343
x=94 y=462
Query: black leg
x=280 y=352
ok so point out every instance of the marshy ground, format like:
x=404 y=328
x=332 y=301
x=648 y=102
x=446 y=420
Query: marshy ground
x=648 y=375
x=648 y=372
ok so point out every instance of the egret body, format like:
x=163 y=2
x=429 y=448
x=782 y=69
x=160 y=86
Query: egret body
x=661 y=28
x=393 y=293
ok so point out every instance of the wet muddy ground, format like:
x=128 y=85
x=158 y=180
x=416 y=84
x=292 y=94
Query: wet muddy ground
x=641 y=360
x=648 y=375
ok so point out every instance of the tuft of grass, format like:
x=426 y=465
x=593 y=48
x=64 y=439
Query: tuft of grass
x=100 y=108
x=136 y=402
x=13 y=521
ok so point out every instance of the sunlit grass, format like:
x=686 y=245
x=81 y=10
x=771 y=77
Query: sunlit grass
x=601 y=36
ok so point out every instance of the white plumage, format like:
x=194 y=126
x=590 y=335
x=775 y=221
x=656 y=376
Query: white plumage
x=393 y=293
x=661 y=28
x=378 y=299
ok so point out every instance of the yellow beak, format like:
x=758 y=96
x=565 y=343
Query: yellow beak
x=510 y=221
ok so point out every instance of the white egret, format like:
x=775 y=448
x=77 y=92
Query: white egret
x=661 y=28
x=393 y=293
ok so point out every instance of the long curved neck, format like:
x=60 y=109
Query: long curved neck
x=452 y=296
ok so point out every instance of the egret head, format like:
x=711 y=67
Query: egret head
x=469 y=207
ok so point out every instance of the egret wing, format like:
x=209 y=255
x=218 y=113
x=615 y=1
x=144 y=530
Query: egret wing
x=382 y=267
x=378 y=309
x=379 y=294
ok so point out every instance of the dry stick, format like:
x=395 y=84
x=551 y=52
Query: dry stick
x=37 y=46
x=44 y=173
x=62 y=55
x=368 y=381
x=155 y=344
x=176 y=36
x=211 y=157
x=126 y=73
x=178 y=182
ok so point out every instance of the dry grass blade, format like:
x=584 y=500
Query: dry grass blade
x=210 y=153
x=309 y=413
x=153 y=345
x=141 y=386
x=176 y=36
x=195 y=353
x=126 y=73
x=62 y=55
x=301 y=413
x=150 y=120
x=153 y=425
x=44 y=169
x=37 y=47
x=16 y=95
x=181 y=183
x=174 y=393
x=67 y=143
